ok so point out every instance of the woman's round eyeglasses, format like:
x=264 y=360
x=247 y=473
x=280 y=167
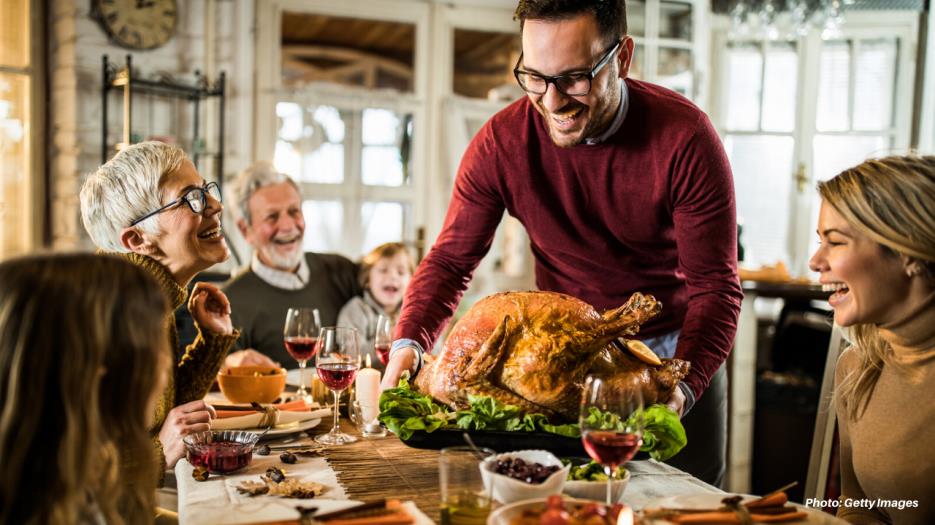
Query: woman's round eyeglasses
x=196 y=198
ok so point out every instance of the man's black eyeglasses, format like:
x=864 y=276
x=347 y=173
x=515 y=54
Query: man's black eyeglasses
x=196 y=198
x=571 y=84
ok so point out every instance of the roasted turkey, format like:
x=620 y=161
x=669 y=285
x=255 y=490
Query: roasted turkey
x=534 y=350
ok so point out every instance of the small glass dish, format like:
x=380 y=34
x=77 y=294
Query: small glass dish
x=220 y=451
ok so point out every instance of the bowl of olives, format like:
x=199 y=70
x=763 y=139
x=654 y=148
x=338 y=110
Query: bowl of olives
x=523 y=474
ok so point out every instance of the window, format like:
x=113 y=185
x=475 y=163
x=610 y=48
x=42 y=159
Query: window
x=19 y=167
x=667 y=43
x=759 y=139
x=354 y=167
x=795 y=112
x=342 y=112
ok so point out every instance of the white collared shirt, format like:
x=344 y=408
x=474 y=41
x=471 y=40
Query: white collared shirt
x=618 y=118
x=279 y=278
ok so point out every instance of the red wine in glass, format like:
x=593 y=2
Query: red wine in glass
x=337 y=361
x=611 y=448
x=299 y=336
x=301 y=348
x=337 y=376
x=383 y=338
x=383 y=352
x=611 y=422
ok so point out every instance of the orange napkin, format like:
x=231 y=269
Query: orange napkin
x=297 y=405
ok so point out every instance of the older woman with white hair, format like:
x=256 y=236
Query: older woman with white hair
x=150 y=204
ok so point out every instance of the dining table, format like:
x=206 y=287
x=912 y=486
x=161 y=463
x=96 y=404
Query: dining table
x=369 y=469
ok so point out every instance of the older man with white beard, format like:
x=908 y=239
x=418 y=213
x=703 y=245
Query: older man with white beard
x=280 y=275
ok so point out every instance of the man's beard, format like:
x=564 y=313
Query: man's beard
x=286 y=262
x=596 y=124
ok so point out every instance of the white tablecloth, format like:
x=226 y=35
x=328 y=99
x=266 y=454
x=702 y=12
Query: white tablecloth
x=216 y=501
x=650 y=480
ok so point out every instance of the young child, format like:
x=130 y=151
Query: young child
x=384 y=276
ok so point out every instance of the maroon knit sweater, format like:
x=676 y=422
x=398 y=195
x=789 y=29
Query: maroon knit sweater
x=651 y=210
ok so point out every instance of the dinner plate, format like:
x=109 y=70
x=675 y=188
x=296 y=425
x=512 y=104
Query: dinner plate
x=282 y=430
x=711 y=500
x=505 y=514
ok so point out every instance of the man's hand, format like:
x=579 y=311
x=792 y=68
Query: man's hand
x=249 y=357
x=211 y=309
x=181 y=421
x=677 y=401
x=402 y=360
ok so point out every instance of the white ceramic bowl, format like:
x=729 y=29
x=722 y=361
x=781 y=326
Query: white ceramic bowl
x=508 y=490
x=597 y=490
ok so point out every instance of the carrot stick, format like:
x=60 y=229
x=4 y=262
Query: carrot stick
x=772 y=500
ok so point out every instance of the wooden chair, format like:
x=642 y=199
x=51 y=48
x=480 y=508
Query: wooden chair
x=821 y=456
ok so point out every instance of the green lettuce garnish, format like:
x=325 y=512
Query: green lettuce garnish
x=405 y=411
x=663 y=433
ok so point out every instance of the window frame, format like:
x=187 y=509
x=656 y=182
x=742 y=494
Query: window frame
x=33 y=231
x=698 y=46
x=352 y=193
x=903 y=26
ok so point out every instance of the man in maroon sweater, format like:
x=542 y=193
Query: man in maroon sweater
x=622 y=186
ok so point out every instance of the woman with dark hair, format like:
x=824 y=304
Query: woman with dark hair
x=83 y=358
x=877 y=254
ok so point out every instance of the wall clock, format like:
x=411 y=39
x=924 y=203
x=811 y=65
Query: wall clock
x=138 y=24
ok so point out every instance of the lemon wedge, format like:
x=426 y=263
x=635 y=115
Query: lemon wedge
x=643 y=352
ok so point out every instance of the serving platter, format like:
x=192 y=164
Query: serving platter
x=708 y=500
x=503 y=441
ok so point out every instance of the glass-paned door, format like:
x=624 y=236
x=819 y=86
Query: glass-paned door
x=354 y=166
x=342 y=109
x=666 y=37
x=760 y=140
x=793 y=113
x=856 y=95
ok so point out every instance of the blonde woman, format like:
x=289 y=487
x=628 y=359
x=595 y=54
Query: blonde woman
x=877 y=252
x=150 y=204
x=82 y=359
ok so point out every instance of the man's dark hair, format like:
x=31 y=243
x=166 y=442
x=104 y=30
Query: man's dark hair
x=611 y=15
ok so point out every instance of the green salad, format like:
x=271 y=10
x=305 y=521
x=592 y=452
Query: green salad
x=591 y=471
x=405 y=411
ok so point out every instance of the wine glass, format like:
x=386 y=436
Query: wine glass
x=611 y=421
x=383 y=338
x=300 y=336
x=337 y=362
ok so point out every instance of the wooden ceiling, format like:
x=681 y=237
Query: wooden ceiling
x=393 y=40
x=375 y=53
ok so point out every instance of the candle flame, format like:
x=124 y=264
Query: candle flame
x=625 y=517
x=368 y=360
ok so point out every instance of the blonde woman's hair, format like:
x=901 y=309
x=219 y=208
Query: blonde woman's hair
x=260 y=175
x=889 y=200
x=127 y=187
x=82 y=348
x=386 y=250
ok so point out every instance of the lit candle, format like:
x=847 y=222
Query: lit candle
x=368 y=392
